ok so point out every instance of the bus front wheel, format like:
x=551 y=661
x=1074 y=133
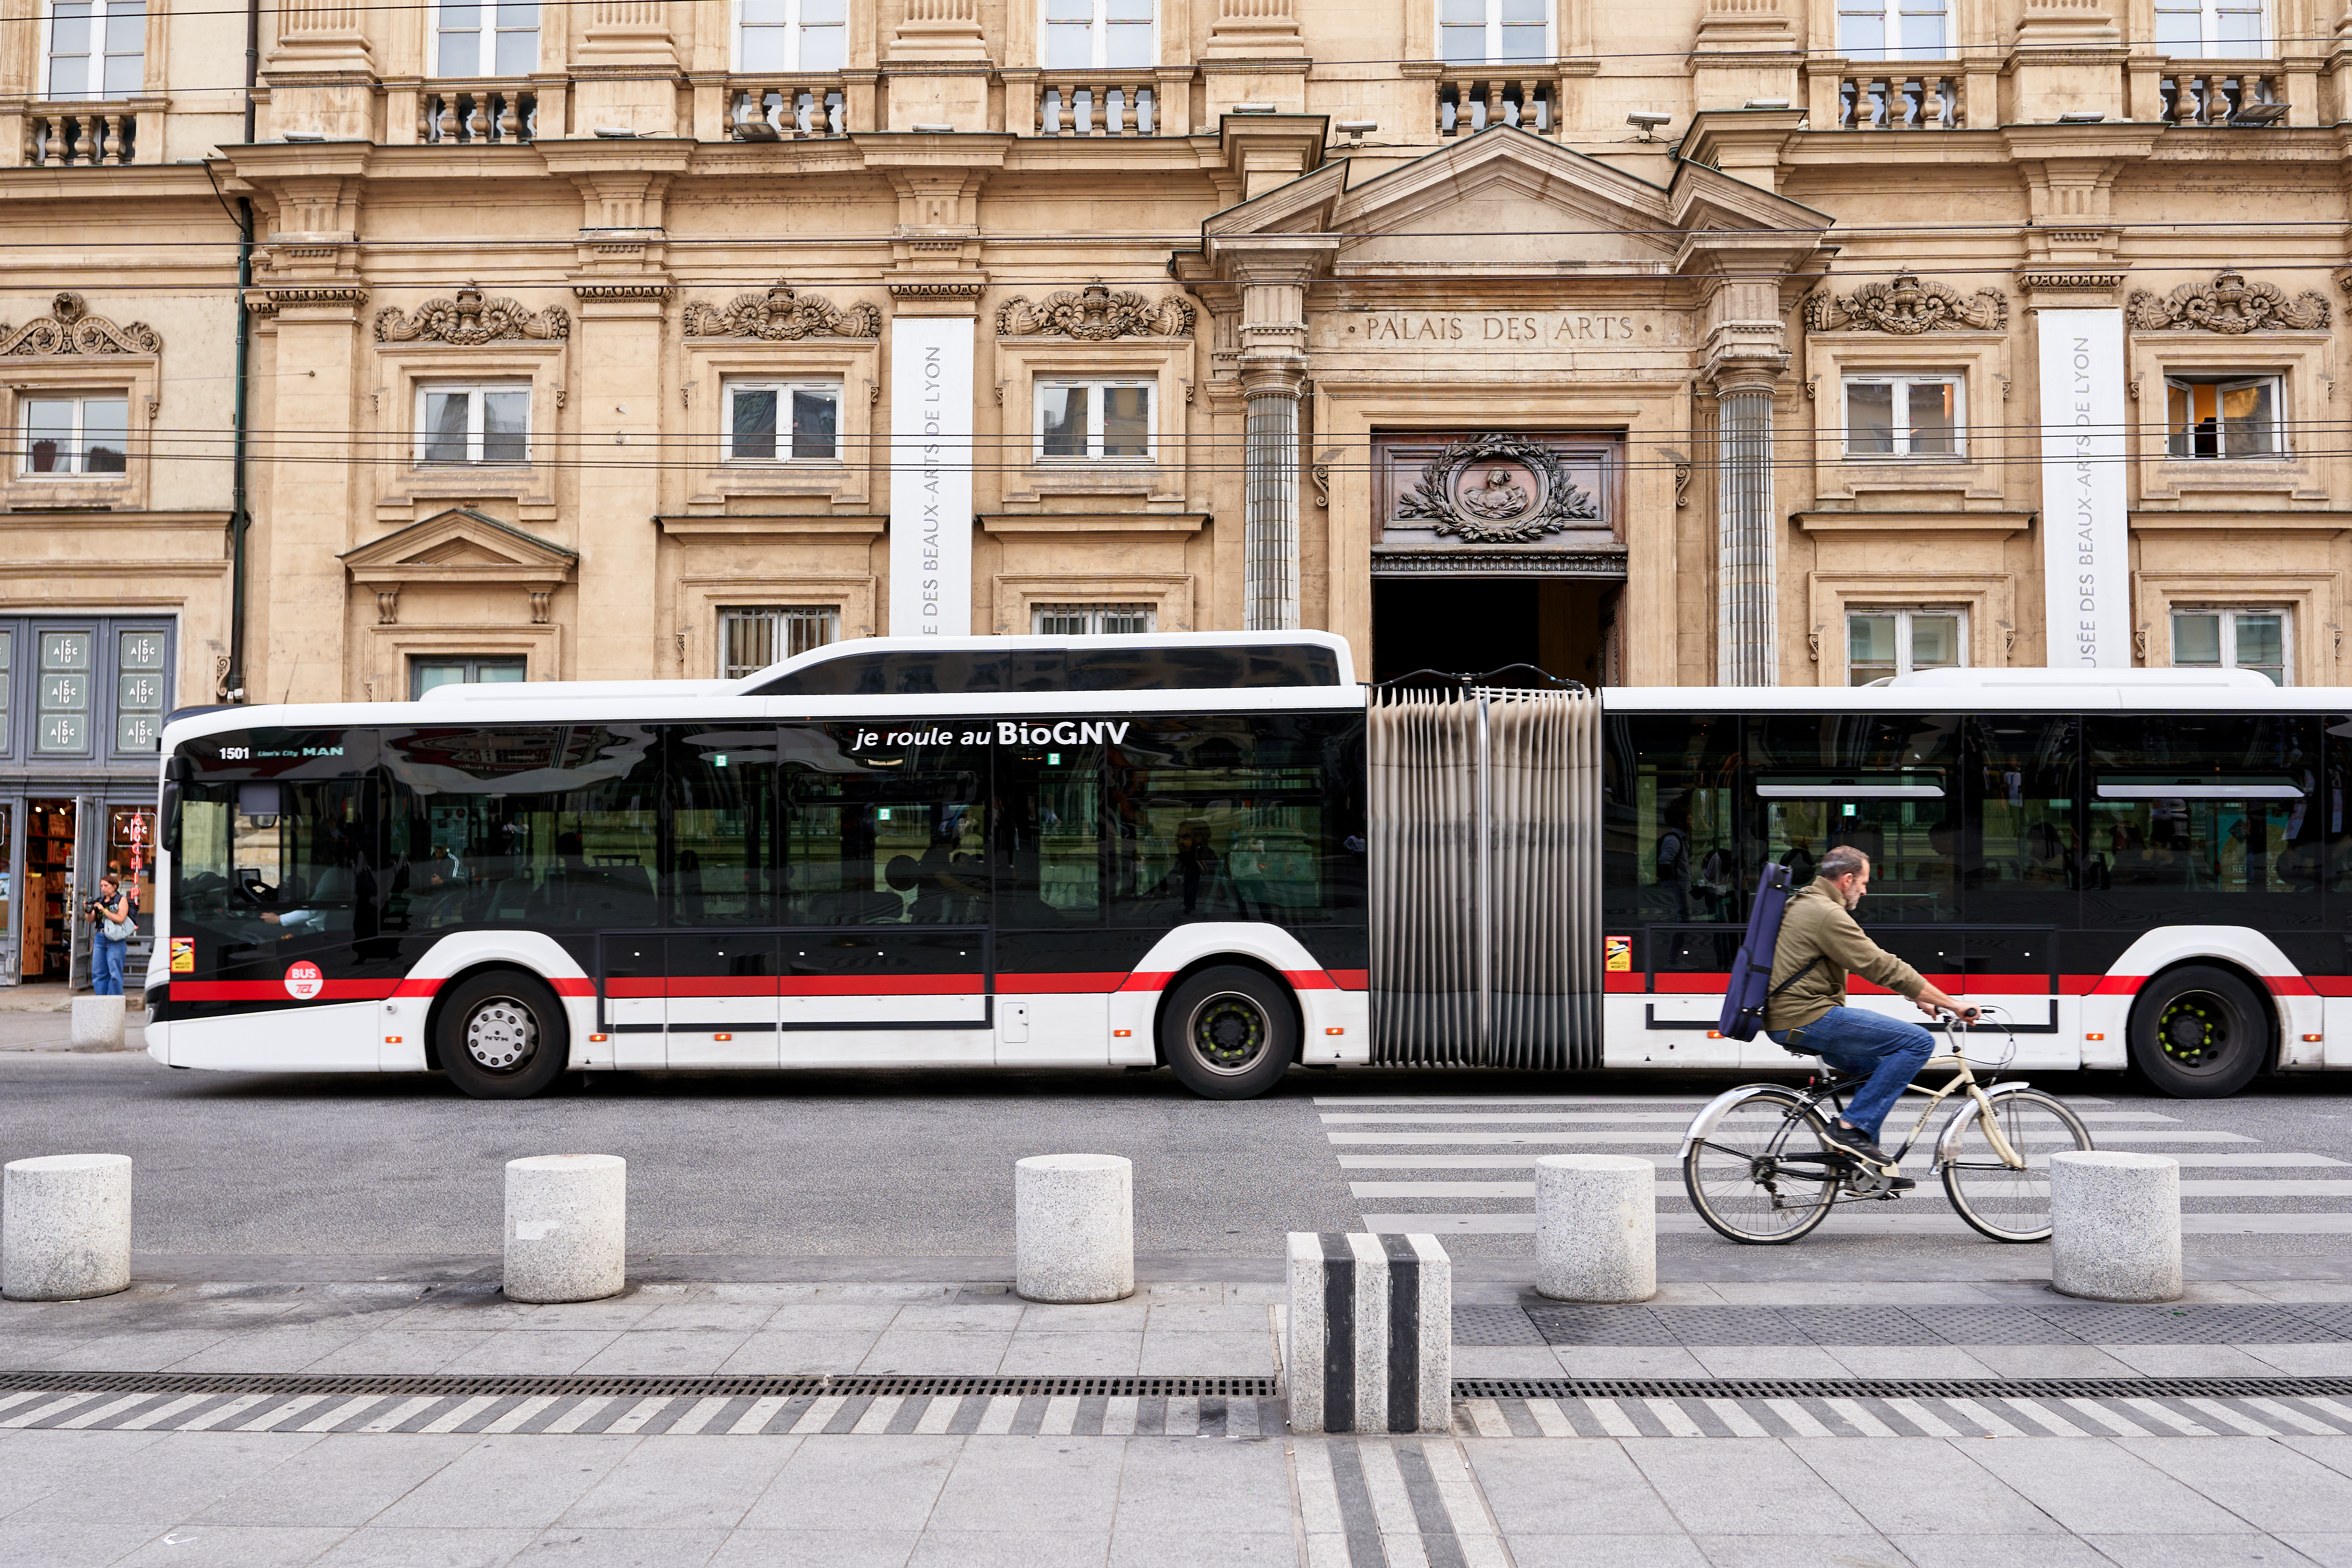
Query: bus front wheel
x=2199 y=1033
x=1229 y=1033
x=501 y=1036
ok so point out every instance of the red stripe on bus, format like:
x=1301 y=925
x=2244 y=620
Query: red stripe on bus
x=416 y=988
x=1074 y=983
x=580 y=985
x=883 y=984
x=1309 y=980
x=1618 y=983
x=1148 y=980
x=1351 y=979
x=633 y=990
x=275 y=990
x=2331 y=984
x=721 y=985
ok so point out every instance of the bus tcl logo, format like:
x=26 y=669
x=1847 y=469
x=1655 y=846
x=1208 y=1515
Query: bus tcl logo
x=303 y=980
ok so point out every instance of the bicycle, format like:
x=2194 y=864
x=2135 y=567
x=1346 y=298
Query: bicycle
x=1993 y=1152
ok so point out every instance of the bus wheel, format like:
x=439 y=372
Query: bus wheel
x=503 y=1035
x=1229 y=1033
x=2199 y=1033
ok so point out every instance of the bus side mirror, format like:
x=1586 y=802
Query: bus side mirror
x=179 y=769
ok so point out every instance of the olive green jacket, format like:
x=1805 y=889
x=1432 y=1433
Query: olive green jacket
x=1817 y=924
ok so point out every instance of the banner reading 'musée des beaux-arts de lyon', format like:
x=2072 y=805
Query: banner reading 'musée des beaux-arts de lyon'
x=931 y=476
x=2086 y=580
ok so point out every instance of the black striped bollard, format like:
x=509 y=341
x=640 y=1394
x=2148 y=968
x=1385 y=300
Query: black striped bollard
x=1371 y=1333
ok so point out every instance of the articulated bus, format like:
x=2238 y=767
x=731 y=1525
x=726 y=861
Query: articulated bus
x=1220 y=854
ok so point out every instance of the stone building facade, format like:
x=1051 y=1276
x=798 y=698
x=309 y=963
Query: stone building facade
x=1719 y=340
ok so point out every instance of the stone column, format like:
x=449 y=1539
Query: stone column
x=1270 y=475
x=1746 y=631
x=295 y=646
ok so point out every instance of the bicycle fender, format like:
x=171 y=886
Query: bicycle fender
x=1948 y=1139
x=1712 y=1113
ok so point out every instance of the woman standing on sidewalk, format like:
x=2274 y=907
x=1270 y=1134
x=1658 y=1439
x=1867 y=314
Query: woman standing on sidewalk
x=109 y=914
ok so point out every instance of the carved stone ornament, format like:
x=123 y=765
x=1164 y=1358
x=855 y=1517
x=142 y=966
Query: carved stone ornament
x=1497 y=490
x=1095 y=314
x=2229 y=305
x=1906 y=308
x=70 y=329
x=781 y=316
x=470 y=319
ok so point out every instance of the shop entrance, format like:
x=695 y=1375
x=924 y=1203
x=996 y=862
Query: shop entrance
x=42 y=918
x=1474 y=625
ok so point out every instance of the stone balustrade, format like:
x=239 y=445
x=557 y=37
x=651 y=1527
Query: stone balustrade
x=1096 y=103
x=787 y=109
x=58 y=135
x=1467 y=103
x=1927 y=100
x=2221 y=97
x=477 y=114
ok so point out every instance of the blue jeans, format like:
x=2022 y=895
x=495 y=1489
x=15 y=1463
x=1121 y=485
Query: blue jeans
x=106 y=965
x=1853 y=1041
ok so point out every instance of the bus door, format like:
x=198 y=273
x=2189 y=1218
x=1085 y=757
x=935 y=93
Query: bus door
x=704 y=998
x=882 y=977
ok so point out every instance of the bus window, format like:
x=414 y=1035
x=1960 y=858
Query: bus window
x=1046 y=844
x=877 y=832
x=723 y=838
x=1672 y=863
x=1889 y=785
x=2183 y=809
x=548 y=825
x=1224 y=819
x=2025 y=865
x=274 y=868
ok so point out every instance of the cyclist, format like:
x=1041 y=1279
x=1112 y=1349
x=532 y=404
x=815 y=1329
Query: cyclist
x=1820 y=943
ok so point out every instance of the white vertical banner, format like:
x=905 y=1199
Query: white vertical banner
x=2086 y=570
x=931 y=420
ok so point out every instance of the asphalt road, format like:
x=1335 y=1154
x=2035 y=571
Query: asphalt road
x=920 y=1164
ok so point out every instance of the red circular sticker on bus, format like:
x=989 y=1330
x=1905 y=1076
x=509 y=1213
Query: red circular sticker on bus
x=303 y=980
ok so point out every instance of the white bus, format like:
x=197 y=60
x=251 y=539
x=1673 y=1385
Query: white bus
x=1218 y=853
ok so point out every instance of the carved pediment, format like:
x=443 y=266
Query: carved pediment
x=70 y=329
x=460 y=545
x=2228 y=305
x=1095 y=314
x=1907 y=307
x=779 y=315
x=470 y=319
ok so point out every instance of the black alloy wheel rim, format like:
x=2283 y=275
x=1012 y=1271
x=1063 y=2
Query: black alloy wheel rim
x=1228 y=1032
x=2194 y=1031
x=501 y=1036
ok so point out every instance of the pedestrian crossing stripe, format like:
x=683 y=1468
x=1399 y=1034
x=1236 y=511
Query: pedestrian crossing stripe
x=1914 y=1416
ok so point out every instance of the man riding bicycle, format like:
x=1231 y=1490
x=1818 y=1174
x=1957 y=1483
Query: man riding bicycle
x=1820 y=943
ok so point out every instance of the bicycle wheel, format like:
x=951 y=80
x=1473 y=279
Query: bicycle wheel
x=1994 y=1197
x=1764 y=1173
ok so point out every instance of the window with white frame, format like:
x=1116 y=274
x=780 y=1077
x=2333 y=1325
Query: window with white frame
x=2226 y=29
x=783 y=421
x=474 y=38
x=1098 y=35
x=473 y=422
x=1473 y=32
x=1884 y=643
x=2224 y=417
x=72 y=435
x=1893 y=29
x=1106 y=419
x=2233 y=639
x=790 y=35
x=753 y=637
x=97 y=48
x=1090 y=620
x=1903 y=416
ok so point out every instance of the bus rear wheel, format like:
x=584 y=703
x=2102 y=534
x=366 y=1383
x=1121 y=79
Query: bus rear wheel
x=2199 y=1033
x=1229 y=1033
x=501 y=1036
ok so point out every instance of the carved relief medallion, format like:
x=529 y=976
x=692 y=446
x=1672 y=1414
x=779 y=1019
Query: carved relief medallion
x=469 y=318
x=70 y=329
x=2230 y=305
x=1907 y=307
x=779 y=315
x=1497 y=490
x=1094 y=314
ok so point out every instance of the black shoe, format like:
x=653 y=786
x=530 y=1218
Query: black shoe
x=1853 y=1140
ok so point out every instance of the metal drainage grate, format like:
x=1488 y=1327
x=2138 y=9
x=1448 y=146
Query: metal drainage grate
x=1898 y=1387
x=853 y=1385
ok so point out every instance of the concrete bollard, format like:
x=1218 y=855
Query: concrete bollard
x=567 y=1227
x=1596 y=1227
x=64 y=1228
x=98 y=1023
x=1074 y=1227
x=2115 y=1226
x=1370 y=1343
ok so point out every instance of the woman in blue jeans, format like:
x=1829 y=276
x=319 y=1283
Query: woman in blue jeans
x=110 y=910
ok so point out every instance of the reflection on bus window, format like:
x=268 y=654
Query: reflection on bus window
x=1047 y=845
x=882 y=834
x=2028 y=860
x=278 y=867
x=1886 y=784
